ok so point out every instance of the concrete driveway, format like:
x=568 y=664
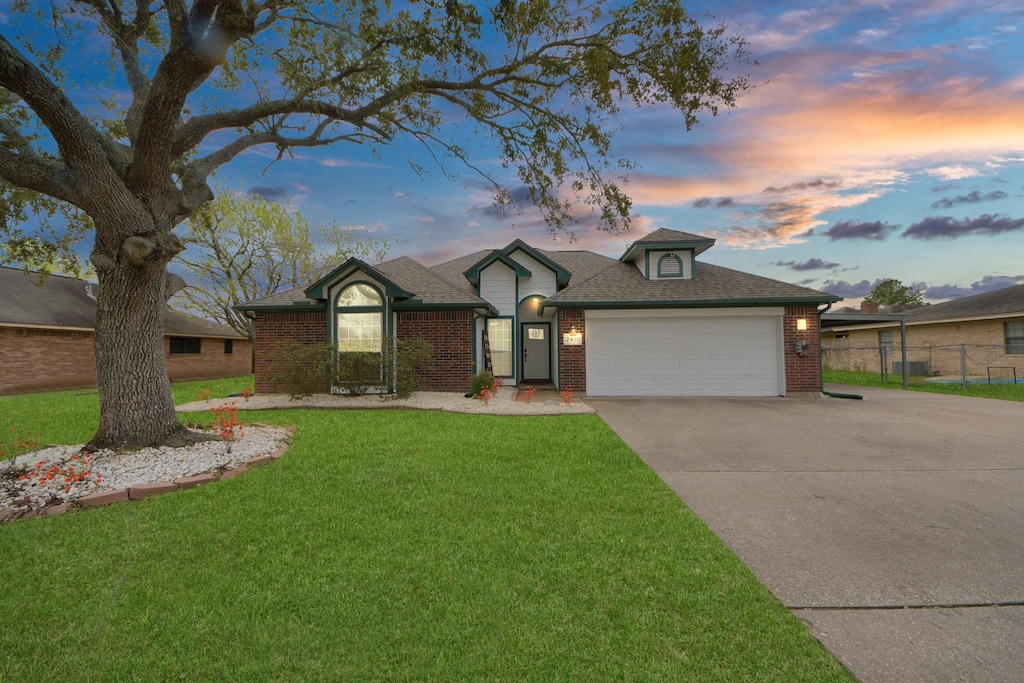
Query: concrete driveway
x=892 y=526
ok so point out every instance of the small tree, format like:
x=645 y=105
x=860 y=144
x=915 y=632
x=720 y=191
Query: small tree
x=242 y=248
x=892 y=292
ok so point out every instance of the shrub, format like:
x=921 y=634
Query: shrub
x=303 y=369
x=410 y=356
x=482 y=380
x=356 y=371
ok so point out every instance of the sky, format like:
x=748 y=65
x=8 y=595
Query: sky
x=880 y=140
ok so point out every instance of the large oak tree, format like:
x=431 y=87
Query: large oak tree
x=210 y=79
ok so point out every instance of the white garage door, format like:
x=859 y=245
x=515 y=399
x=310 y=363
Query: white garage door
x=733 y=352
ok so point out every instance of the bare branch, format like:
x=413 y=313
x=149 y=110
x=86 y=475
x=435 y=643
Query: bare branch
x=39 y=174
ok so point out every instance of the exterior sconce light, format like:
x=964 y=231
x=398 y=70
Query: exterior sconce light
x=572 y=338
x=801 y=324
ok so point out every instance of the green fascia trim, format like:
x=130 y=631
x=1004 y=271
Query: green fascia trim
x=297 y=307
x=698 y=247
x=712 y=303
x=561 y=274
x=317 y=290
x=414 y=305
x=473 y=272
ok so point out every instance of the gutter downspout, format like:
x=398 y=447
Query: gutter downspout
x=821 y=363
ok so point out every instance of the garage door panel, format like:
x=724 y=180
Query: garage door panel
x=684 y=356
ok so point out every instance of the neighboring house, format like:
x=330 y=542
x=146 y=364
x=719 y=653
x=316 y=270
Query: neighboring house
x=985 y=331
x=656 y=322
x=46 y=337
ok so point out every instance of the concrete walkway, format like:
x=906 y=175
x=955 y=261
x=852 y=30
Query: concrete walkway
x=891 y=526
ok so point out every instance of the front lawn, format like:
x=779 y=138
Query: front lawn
x=399 y=545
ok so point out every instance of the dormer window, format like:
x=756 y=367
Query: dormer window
x=670 y=265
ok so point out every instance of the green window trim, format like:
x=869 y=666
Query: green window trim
x=362 y=327
x=670 y=266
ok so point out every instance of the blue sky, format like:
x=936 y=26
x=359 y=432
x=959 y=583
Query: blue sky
x=881 y=139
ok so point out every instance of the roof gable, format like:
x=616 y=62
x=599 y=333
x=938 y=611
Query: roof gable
x=473 y=272
x=561 y=274
x=318 y=290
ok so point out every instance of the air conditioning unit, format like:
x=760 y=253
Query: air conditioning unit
x=916 y=368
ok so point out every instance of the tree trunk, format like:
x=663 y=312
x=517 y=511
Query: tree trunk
x=136 y=406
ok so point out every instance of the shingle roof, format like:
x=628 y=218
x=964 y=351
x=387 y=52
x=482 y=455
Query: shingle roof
x=426 y=285
x=593 y=279
x=60 y=301
x=624 y=284
x=1005 y=301
x=429 y=287
x=666 y=235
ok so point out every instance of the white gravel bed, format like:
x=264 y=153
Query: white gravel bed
x=503 y=403
x=110 y=470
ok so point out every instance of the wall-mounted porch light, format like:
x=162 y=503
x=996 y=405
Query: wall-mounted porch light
x=801 y=324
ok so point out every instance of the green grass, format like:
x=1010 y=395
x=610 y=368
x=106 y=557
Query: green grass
x=71 y=417
x=400 y=545
x=1005 y=392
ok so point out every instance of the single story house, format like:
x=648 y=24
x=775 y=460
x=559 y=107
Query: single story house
x=985 y=332
x=46 y=337
x=655 y=322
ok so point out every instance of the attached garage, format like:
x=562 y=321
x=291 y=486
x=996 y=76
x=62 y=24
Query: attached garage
x=685 y=352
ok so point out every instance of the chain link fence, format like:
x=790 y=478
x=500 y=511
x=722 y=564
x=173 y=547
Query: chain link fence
x=953 y=363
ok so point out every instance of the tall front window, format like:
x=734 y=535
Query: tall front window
x=499 y=333
x=360 y=319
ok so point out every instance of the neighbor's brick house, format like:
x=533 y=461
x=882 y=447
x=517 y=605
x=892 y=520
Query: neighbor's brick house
x=990 y=326
x=655 y=322
x=46 y=337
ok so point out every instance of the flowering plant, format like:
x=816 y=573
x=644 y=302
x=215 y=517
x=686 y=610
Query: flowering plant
x=566 y=393
x=485 y=396
x=203 y=394
x=226 y=417
x=246 y=393
x=66 y=470
x=526 y=393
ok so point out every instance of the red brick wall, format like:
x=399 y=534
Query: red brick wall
x=210 y=362
x=39 y=360
x=273 y=330
x=572 y=360
x=450 y=334
x=802 y=373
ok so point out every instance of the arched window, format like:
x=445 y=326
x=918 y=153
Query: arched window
x=670 y=265
x=360 y=315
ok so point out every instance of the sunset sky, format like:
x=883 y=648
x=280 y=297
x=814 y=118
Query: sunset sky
x=880 y=139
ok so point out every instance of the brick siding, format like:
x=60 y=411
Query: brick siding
x=803 y=373
x=275 y=329
x=450 y=334
x=937 y=344
x=572 y=360
x=40 y=359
